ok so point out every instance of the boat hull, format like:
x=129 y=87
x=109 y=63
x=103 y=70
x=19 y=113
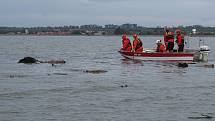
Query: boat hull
x=155 y=56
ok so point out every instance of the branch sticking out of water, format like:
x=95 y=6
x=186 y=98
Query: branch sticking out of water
x=95 y=71
x=203 y=116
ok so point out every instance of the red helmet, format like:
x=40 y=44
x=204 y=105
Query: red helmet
x=135 y=36
x=178 y=31
x=124 y=36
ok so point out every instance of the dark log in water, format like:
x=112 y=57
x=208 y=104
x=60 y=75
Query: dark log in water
x=31 y=60
x=28 y=60
x=208 y=65
x=54 y=61
x=203 y=116
x=183 y=65
x=124 y=86
x=95 y=71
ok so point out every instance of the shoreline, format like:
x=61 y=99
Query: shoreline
x=98 y=35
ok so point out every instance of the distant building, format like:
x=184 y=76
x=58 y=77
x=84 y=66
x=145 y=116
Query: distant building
x=111 y=26
x=91 y=26
x=193 y=31
x=129 y=26
x=73 y=27
x=26 y=31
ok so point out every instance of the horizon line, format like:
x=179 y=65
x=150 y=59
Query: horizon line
x=158 y=26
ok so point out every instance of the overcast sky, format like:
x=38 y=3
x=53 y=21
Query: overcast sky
x=101 y=12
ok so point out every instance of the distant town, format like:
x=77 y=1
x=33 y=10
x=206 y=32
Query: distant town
x=97 y=30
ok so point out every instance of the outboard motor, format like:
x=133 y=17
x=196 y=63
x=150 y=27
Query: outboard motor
x=203 y=53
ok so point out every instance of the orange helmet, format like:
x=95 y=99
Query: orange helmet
x=124 y=36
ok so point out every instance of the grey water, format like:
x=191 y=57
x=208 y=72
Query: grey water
x=155 y=91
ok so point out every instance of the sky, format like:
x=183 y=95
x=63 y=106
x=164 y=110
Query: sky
x=150 y=13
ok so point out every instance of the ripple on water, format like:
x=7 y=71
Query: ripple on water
x=14 y=76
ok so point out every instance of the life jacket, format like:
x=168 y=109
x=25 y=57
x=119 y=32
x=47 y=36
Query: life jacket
x=180 y=39
x=129 y=43
x=137 y=45
x=140 y=44
x=126 y=45
x=170 y=37
x=161 y=48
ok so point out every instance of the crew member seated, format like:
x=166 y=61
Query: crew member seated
x=137 y=44
x=160 y=46
x=126 y=44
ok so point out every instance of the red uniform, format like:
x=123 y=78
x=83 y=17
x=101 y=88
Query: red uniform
x=126 y=45
x=180 y=42
x=169 y=40
x=165 y=39
x=161 y=48
x=180 y=39
x=137 y=45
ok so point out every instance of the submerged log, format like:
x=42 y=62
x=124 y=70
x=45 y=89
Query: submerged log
x=203 y=116
x=95 y=71
x=122 y=86
x=54 y=61
x=208 y=65
x=28 y=60
x=183 y=65
x=31 y=60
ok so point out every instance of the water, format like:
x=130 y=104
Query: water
x=41 y=92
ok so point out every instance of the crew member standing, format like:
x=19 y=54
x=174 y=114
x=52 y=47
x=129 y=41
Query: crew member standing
x=180 y=40
x=169 y=40
x=165 y=36
x=126 y=44
x=137 y=44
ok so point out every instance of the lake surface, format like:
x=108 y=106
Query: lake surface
x=156 y=91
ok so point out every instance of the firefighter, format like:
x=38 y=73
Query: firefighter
x=180 y=40
x=160 y=46
x=169 y=40
x=126 y=44
x=137 y=44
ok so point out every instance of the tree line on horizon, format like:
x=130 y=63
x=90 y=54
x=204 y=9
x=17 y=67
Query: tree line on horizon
x=117 y=30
